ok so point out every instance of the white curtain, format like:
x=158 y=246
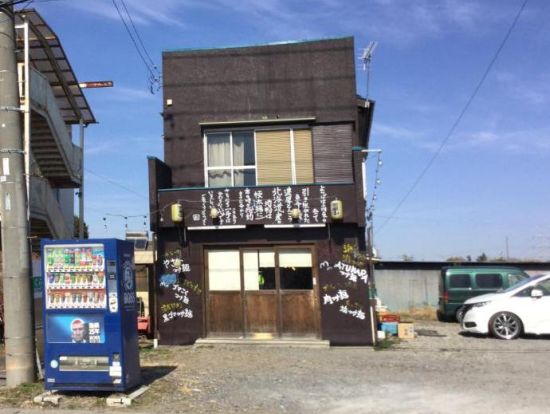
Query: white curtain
x=219 y=154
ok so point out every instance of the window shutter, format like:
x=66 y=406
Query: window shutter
x=273 y=161
x=303 y=154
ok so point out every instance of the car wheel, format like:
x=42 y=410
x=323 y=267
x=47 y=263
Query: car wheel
x=505 y=325
x=460 y=314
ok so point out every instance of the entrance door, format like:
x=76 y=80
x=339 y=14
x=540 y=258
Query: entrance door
x=273 y=297
x=260 y=293
x=224 y=299
x=298 y=310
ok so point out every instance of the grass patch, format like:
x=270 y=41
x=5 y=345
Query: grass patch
x=21 y=394
x=386 y=343
x=154 y=353
x=419 y=314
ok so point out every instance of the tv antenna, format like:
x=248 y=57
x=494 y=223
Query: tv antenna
x=366 y=58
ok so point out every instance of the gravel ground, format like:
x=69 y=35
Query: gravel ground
x=440 y=371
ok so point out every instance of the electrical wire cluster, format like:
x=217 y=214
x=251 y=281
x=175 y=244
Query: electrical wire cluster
x=154 y=76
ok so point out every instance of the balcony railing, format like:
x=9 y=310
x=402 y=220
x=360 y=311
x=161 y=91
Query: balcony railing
x=45 y=207
x=51 y=144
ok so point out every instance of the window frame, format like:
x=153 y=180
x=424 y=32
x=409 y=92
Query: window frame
x=232 y=168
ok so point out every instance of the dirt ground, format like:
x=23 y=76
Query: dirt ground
x=440 y=371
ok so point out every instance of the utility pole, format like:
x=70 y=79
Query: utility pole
x=81 y=191
x=18 y=305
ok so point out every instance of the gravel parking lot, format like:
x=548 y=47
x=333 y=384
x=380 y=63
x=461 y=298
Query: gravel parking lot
x=440 y=371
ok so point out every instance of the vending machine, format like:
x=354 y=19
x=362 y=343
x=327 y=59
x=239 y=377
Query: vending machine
x=90 y=315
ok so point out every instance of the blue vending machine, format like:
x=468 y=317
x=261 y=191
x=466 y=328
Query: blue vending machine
x=90 y=315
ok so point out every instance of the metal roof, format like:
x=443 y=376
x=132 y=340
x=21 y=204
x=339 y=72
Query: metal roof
x=49 y=58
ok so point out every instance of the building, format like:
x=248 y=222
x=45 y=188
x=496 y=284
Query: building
x=259 y=143
x=57 y=103
x=53 y=104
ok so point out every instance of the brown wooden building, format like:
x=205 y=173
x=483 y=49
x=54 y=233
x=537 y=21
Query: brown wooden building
x=259 y=144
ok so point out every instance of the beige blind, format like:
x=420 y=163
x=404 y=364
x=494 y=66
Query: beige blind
x=303 y=156
x=295 y=258
x=273 y=161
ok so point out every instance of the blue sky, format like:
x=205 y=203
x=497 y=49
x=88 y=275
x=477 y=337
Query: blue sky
x=486 y=186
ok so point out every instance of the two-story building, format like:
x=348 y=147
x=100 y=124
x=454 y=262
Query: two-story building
x=258 y=206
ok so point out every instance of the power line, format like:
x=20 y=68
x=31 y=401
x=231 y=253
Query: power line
x=115 y=183
x=459 y=118
x=137 y=35
x=152 y=69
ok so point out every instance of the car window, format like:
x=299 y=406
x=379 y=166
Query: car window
x=523 y=282
x=524 y=292
x=459 y=281
x=544 y=286
x=489 y=280
x=514 y=278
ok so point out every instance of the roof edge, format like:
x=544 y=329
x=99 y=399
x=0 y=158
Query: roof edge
x=279 y=43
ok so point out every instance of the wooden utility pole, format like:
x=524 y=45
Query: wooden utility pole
x=18 y=305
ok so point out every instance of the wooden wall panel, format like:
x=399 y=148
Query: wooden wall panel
x=261 y=313
x=225 y=314
x=299 y=314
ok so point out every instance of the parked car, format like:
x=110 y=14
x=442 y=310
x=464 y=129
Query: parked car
x=459 y=283
x=523 y=308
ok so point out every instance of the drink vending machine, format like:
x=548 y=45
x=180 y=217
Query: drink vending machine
x=90 y=315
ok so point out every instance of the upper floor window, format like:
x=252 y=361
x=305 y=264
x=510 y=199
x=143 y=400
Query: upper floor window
x=259 y=157
x=231 y=159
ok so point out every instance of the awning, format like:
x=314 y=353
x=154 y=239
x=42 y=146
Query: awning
x=48 y=57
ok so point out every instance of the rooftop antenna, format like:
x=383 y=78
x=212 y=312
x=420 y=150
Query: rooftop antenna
x=366 y=58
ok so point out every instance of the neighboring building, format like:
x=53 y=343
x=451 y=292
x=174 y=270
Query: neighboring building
x=258 y=142
x=56 y=104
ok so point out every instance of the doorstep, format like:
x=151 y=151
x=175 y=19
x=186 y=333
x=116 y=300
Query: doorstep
x=286 y=342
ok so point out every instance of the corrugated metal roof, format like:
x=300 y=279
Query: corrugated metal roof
x=49 y=58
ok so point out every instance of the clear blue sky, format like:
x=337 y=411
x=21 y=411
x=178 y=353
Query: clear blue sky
x=489 y=182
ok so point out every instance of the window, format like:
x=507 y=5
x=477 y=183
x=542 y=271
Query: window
x=544 y=286
x=515 y=278
x=295 y=267
x=489 y=280
x=224 y=271
x=459 y=281
x=259 y=269
x=259 y=157
x=259 y=272
x=230 y=159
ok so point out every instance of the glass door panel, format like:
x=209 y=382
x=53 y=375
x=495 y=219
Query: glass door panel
x=261 y=304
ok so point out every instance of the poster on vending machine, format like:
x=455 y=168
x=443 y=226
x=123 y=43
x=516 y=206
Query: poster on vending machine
x=75 y=328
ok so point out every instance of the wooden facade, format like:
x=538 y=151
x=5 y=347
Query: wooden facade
x=254 y=135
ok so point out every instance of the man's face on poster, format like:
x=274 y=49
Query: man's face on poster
x=77 y=331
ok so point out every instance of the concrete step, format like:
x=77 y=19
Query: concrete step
x=286 y=342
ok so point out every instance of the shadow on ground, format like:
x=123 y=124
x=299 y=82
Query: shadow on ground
x=153 y=373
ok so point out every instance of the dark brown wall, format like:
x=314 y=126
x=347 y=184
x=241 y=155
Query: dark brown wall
x=349 y=326
x=310 y=79
x=160 y=176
